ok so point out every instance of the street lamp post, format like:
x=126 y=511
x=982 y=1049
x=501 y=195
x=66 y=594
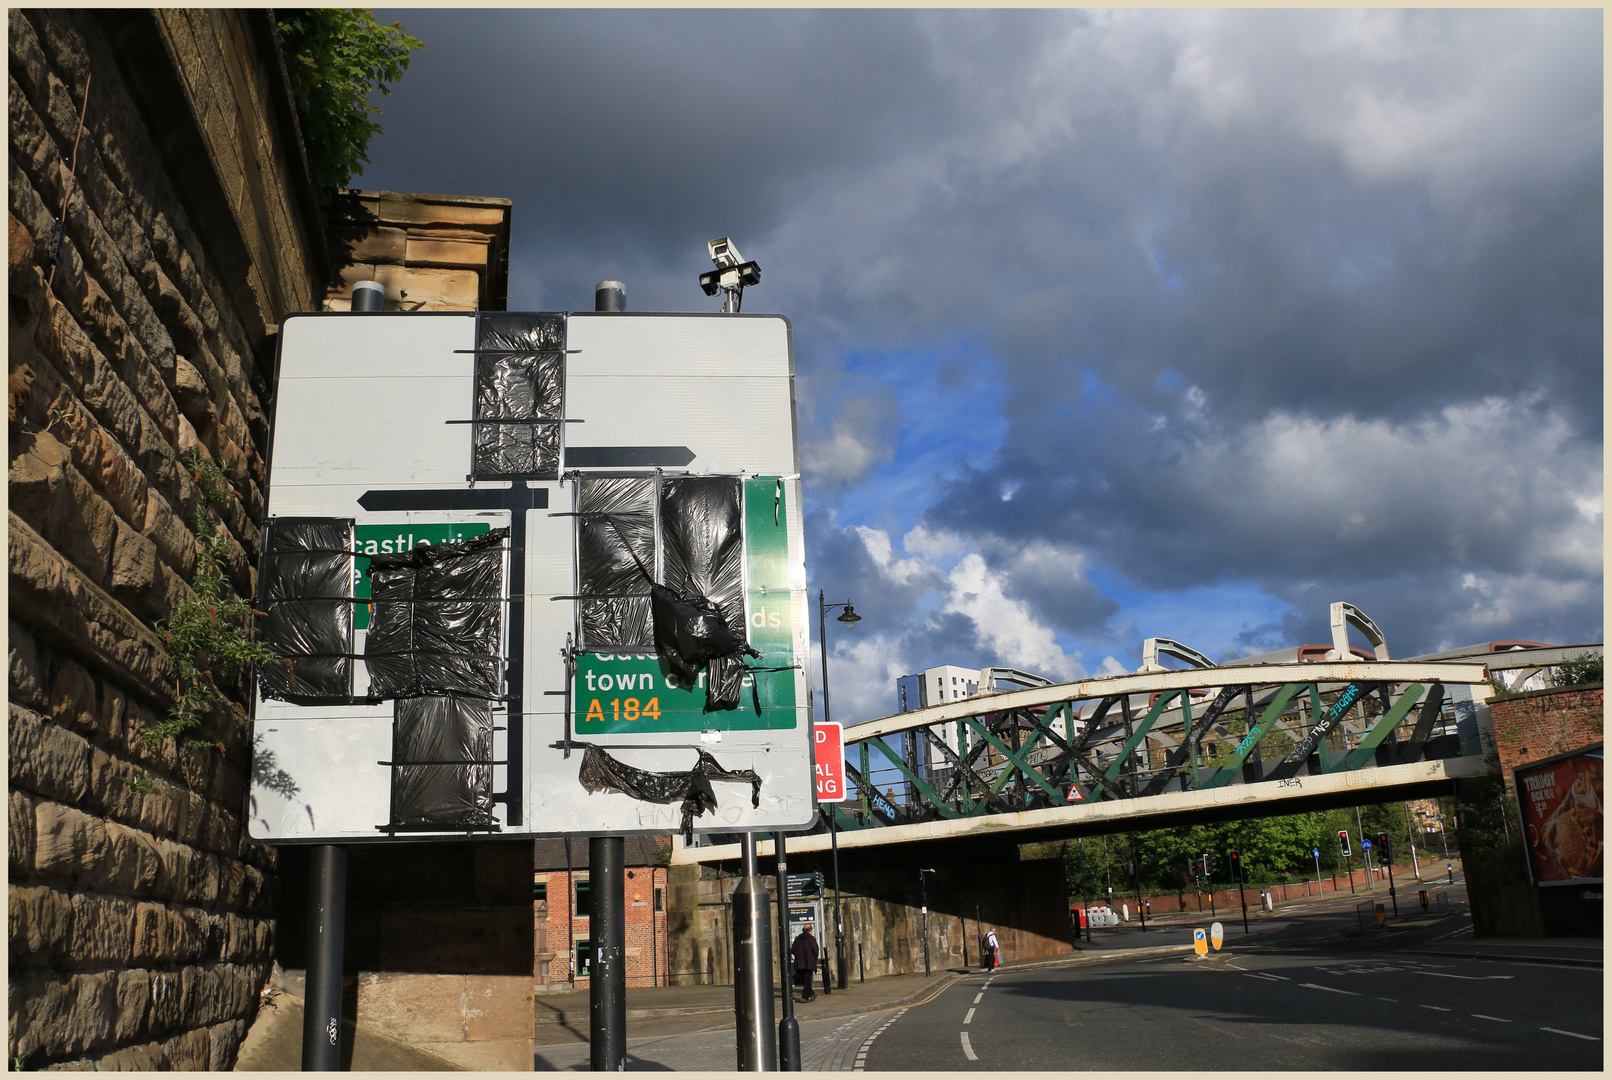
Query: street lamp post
x=848 y=617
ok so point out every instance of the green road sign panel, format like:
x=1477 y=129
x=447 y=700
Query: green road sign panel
x=395 y=540
x=621 y=693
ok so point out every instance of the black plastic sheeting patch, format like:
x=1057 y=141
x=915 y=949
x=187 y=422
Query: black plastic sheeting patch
x=615 y=557
x=520 y=378
x=306 y=600
x=601 y=772
x=691 y=634
x=702 y=542
x=437 y=618
x=442 y=748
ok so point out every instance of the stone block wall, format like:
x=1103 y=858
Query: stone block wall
x=138 y=916
x=431 y=252
x=1543 y=723
x=884 y=926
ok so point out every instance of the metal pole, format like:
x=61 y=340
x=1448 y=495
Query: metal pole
x=1391 y=895
x=327 y=924
x=1317 y=870
x=368 y=296
x=610 y=296
x=839 y=919
x=1241 y=898
x=607 y=987
x=752 y=967
x=1136 y=879
x=923 y=899
x=1364 y=865
x=1085 y=903
x=788 y=1027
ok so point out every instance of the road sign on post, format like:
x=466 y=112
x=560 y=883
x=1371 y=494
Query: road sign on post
x=602 y=513
x=829 y=748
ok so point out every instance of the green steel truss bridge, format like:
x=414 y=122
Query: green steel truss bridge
x=1172 y=746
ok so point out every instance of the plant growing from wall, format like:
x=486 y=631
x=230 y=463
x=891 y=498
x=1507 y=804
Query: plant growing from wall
x=336 y=57
x=210 y=636
x=1578 y=670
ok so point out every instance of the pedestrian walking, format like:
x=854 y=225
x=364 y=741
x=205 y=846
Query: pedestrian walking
x=993 y=951
x=804 y=950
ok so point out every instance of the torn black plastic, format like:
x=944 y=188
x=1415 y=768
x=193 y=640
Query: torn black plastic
x=436 y=623
x=615 y=556
x=601 y=772
x=702 y=543
x=520 y=374
x=306 y=600
x=521 y=333
x=442 y=746
x=699 y=609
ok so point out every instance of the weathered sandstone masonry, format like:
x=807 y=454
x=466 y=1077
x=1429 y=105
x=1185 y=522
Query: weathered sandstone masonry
x=138 y=915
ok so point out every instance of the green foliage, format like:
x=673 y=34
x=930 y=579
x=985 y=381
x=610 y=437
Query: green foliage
x=336 y=57
x=1577 y=670
x=209 y=637
x=139 y=783
x=1275 y=849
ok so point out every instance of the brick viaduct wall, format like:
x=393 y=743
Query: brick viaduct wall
x=1542 y=723
x=138 y=916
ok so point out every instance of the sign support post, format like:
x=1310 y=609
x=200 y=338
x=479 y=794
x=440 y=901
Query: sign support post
x=607 y=989
x=327 y=926
x=752 y=966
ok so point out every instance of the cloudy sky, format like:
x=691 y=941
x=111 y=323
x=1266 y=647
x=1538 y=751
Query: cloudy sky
x=1107 y=325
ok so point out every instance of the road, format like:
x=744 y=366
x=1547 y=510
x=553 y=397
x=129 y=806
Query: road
x=1309 y=988
x=1296 y=994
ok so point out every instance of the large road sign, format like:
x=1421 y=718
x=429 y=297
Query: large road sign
x=534 y=574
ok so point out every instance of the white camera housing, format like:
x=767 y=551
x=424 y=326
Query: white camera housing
x=724 y=254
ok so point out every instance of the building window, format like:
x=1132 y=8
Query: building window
x=584 y=961
x=540 y=891
x=584 y=900
x=660 y=899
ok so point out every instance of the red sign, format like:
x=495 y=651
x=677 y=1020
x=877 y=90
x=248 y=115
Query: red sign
x=829 y=751
x=1560 y=802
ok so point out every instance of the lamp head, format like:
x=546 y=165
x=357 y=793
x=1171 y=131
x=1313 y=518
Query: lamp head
x=850 y=616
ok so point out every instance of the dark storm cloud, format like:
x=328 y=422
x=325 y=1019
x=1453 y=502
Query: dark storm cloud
x=1304 y=301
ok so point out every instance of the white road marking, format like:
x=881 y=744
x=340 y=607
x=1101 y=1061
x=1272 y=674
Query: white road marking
x=1260 y=975
x=1497 y=1019
x=969 y=1019
x=1329 y=989
x=968 y=1051
x=1574 y=1034
x=978 y=996
x=1394 y=1000
x=1435 y=1008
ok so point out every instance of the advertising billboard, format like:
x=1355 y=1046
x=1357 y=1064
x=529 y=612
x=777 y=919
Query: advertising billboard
x=531 y=574
x=1559 y=800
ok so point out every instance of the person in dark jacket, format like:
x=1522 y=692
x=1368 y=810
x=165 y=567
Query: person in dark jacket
x=804 y=950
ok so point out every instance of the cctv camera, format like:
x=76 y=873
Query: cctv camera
x=724 y=254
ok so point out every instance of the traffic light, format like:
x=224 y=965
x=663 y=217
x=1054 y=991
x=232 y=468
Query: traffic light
x=1237 y=866
x=1384 y=857
x=1343 y=842
x=1208 y=865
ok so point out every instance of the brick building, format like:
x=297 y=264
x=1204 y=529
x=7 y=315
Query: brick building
x=562 y=904
x=1542 y=723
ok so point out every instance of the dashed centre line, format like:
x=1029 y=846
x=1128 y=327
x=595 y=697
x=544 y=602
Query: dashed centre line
x=1435 y=1008
x=968 y=1051
x=1329 y=989
x=1573 y=1034
x=1497 y=1019
x=978 y=996
x=969 y=1019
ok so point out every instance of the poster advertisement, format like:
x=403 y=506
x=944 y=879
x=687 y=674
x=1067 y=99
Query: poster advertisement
x=1560 y=803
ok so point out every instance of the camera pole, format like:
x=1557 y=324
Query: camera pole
x=788 y=1027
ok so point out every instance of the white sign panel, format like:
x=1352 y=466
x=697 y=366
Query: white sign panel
x=532 y=575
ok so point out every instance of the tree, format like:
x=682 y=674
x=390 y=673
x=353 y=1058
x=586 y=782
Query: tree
x=336 y=57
